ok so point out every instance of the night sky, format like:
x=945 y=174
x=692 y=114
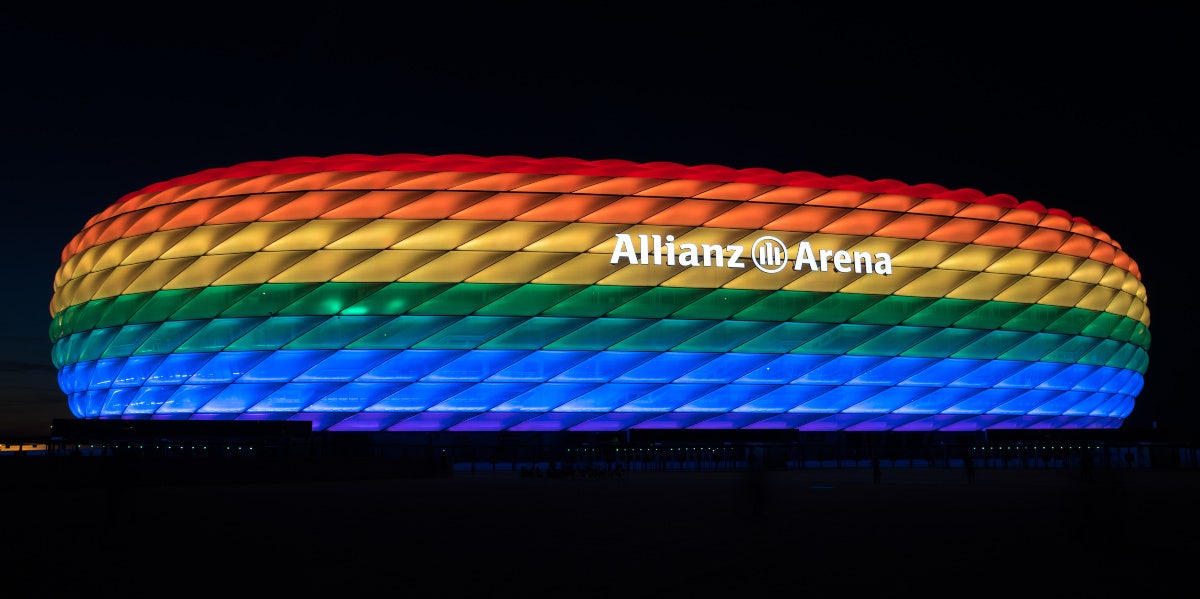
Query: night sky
x=1088 y=114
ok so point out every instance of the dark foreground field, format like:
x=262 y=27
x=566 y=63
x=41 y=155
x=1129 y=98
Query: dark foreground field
x=794 y=533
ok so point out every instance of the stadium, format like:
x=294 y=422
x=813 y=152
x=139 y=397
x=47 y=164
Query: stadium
x=459 y=293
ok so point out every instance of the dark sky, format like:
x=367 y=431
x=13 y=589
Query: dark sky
x=1091 y=114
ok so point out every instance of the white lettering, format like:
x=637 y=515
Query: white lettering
x=713 y=252
x=772 y=255
x=623 y=249
x=825 y=256
x=884 y=264
x=841 y=261
x=804 y=257
x=862 y=262
x=735 y=261
x=688 y=255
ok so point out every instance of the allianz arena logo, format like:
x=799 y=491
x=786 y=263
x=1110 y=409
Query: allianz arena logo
x=768 y=254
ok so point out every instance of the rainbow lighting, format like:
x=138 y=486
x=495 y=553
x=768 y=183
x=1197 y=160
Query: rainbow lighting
x=462 y=293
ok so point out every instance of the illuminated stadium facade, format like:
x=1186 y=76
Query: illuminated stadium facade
x=463 y=293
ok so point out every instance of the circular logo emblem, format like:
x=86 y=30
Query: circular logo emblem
x=769 y=254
